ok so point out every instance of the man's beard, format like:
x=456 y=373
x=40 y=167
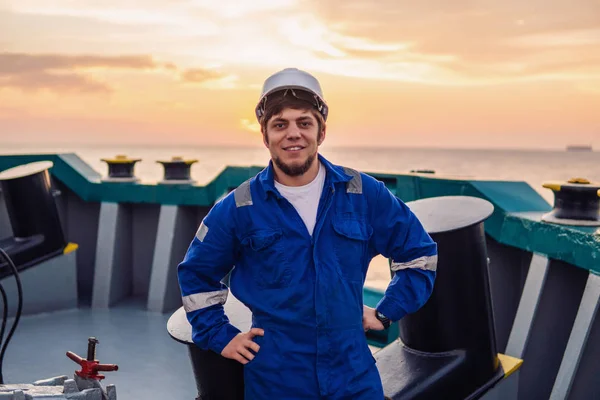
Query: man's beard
x=295 y=170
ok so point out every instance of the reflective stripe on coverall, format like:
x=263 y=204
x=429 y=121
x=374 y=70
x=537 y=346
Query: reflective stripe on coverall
x=305 y=292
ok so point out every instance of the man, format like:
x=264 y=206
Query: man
x=298 y=238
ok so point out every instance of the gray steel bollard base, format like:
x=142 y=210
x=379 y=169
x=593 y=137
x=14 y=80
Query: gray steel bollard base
x=59 y=388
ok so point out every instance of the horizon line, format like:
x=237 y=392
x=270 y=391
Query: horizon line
x=260 y=146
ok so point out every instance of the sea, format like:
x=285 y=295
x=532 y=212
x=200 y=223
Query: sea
x=531 y=166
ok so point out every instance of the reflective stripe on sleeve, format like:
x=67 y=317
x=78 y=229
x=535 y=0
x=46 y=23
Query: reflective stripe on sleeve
x=426 y=262
x=202 y=231
x=198 y=301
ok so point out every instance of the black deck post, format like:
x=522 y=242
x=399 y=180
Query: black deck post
x=33 y=215
x=216 y=377
x=447 y=349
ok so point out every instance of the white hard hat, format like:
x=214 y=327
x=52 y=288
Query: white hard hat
x=292 y=78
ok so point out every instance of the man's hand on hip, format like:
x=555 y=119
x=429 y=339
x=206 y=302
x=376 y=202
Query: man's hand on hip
x=238 y=348
x=370 y=321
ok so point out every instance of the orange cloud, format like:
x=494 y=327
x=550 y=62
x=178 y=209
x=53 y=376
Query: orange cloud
x=59 y=82
x=62 y=73
x=465 y=42
x=67 y=73
x=198 y=75
x=22 y=63
x=250 y=125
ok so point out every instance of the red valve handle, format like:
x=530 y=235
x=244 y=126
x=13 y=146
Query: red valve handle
x=91 y=366
x=89 y=369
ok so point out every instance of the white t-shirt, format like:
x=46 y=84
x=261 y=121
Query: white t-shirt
x=305 y=199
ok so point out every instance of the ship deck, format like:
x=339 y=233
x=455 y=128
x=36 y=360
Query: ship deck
x=151 y=364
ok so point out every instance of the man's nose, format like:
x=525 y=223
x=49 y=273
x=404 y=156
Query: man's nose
x=293 y=132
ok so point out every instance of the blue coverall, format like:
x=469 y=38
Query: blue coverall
x=305 y=291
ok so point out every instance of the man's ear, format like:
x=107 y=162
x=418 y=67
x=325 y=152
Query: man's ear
x=322 y=135
x=265 y=139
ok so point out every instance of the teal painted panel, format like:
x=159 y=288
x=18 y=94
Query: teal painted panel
x=408 y=189
x=579 y=246
x=441 y=187
x=87 y=183
x=512 y=196
x=78 y=166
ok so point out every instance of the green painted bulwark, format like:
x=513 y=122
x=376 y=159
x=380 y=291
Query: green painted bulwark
x=574 y=245
x=87 y=183
x=516 y=220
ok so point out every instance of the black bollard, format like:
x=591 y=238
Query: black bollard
x=121 y=168
x=33 y=215
x=217 y=377
x=576 y=202
x=177 y=170
x=447 y=349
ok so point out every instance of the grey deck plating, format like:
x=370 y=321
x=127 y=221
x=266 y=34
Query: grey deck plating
x=151 y=364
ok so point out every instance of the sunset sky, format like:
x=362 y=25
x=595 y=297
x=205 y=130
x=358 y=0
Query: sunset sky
x=441 y=73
